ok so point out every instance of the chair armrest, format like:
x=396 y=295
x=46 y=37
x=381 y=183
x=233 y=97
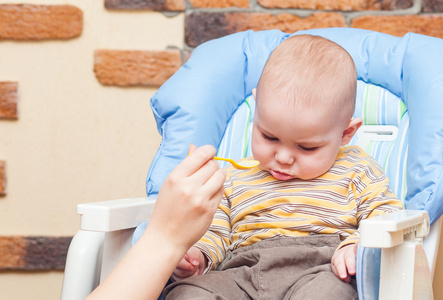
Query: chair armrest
x=113 y=215
x=104 y=238
x=392 y=229
x=404 y=268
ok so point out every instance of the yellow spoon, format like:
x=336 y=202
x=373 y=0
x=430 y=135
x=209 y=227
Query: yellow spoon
x=244 y=164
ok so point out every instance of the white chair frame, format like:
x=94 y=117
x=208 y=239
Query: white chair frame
x=107 y=227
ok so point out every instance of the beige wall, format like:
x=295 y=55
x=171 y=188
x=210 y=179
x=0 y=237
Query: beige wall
x=75 y=140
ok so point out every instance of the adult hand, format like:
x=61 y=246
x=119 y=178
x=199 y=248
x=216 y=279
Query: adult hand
x=189 y=198
x=183 y=212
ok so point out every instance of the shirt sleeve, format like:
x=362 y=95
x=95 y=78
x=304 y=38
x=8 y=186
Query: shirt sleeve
x=215 y=242
x=373 y=196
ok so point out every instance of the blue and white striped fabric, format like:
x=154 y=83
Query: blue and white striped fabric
x=236 y=141
x=378 y=106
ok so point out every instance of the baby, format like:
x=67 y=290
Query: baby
x=289 y=227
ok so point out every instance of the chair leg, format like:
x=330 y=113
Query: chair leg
x=83 y=265
x=404 y=272
x=116 y=244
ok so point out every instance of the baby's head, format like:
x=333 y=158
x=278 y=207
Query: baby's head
x=305 y=103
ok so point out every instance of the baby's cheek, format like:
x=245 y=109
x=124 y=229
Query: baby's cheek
x=316 y=167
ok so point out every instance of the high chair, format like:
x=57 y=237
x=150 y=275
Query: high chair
x=400 y=98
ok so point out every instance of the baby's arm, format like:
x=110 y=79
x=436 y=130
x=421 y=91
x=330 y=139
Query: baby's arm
x=373 y=197
x=192 y=264
x=343 y=262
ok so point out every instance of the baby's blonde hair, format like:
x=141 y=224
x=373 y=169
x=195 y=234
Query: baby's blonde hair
x=312 y=70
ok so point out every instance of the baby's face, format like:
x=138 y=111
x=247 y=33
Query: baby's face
x=293 y=141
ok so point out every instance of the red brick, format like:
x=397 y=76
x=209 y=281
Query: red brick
x=432 y=5
x=219 y=3
x=157 y=5
x=2 y=178
x=201 y=27
x=8 y=100
x=135 y=68
x=46 y=253
x=33 y=253
x=431 y=25
x=343 y=5
x=39 y=22
x=12 y=252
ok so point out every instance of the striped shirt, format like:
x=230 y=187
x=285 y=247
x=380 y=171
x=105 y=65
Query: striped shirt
x=256 y=206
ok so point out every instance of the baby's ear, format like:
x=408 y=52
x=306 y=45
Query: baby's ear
x=350 y=130
x=254 y=90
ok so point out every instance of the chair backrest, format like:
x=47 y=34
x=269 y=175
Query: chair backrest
x=198 y=102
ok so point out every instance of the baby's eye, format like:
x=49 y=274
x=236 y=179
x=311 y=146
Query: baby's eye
x=269 y=138
x=308 y=149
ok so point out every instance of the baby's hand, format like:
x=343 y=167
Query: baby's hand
x=192 y=264
x=343 y=262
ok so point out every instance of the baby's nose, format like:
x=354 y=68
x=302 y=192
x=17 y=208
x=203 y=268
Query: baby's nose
x=284 y=157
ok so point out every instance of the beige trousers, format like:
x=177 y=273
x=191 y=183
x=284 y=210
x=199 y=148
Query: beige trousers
x=275 y=268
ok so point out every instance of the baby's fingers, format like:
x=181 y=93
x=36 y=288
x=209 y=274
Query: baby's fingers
x=339 y=269
x=350 y=264
x=184 y=273
x=184 y=264
x=183 y=270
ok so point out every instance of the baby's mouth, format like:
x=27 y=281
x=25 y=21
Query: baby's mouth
x=280 y=175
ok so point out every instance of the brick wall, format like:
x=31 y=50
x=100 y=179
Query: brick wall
x=209 y=19
x=33 y=253
x=31 y=23
x=204 y=20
